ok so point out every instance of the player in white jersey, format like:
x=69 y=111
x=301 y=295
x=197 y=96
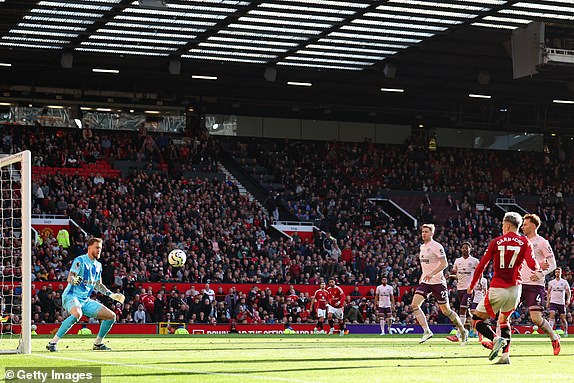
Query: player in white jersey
x=462 y=271
x=479 y=292
x=533 y=283
x=559 y=296
x=433 y=262
x=385 y=300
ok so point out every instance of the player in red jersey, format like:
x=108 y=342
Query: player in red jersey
x=335 y=306
x=507 y=252
x=319 y=304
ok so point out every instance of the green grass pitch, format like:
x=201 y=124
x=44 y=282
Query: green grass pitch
x=302 y=359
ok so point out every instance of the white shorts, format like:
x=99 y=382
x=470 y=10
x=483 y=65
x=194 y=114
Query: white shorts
x=498 y=299
x=337 y=312
x=321 y=313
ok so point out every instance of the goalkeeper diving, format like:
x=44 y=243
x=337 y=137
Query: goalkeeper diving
x=85 y=277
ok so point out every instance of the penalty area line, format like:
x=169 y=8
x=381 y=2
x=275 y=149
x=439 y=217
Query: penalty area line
x=172 y=369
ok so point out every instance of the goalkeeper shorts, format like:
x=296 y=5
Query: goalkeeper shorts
x=90 y=307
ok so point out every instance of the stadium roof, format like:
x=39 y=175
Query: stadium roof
x=395 y=60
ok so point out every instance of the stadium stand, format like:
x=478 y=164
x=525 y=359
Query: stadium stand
x=140 y=194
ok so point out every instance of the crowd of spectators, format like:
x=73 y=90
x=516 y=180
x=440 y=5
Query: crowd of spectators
x=330 y=183
x=227 y=238
x=73 y=148
x=318 y=175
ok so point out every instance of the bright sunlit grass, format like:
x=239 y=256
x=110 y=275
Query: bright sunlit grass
x=303 y=359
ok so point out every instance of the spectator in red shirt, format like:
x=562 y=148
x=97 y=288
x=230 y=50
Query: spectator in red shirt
x=347 y=255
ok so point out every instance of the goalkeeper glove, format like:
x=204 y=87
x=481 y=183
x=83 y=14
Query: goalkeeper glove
x=118 y=297
x=77 y=280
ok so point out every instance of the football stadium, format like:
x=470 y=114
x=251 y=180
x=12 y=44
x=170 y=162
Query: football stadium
x=286 y=190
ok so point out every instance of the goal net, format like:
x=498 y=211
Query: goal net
x=15 y=253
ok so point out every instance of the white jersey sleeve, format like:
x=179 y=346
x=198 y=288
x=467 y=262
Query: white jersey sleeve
x=430 y=256
x=542 y=251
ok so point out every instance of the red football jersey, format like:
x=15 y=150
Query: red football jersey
x=508 y=252
x=336 y=296
x=321 y=298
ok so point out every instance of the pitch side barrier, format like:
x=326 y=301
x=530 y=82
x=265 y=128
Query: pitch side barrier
x=240 y=288
x=207 y=329
x=222 y=329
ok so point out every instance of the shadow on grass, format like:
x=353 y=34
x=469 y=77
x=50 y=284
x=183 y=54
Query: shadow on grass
x=452 y=360
x=315 y=360
x=247 y=346
x=167 y=372
x=213 y=349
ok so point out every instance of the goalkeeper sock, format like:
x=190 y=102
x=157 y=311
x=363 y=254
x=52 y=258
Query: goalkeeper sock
x=65 y=327
x=104 y=330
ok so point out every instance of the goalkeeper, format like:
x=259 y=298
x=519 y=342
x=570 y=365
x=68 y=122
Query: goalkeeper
x=84 y=277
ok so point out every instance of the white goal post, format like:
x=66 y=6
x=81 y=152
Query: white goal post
x=15 y=253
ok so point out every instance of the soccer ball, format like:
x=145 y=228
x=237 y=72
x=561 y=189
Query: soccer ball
x=177 y=258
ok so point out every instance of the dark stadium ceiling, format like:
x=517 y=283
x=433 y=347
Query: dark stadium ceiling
x=428 y=56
